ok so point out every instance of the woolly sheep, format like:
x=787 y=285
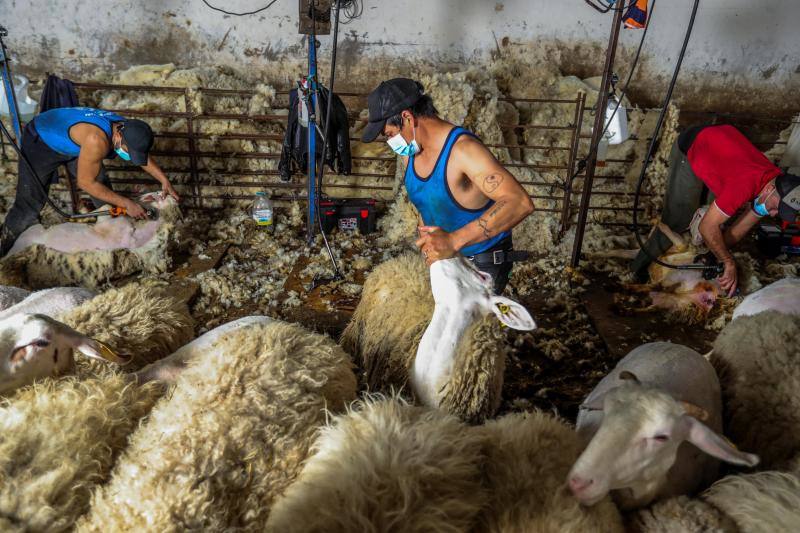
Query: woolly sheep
x=50 y=302
x=390 y=466
x=396 y=307
x=782 y=295
x=461 y=295
x=230 y=437
x=640 y=423
x=763 y=502
x=59 y=438
x=758 y=359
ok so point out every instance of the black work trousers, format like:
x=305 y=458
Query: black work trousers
x=31 y=196
x=500 y=273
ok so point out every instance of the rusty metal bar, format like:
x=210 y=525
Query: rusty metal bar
x=573 y=156
x=192 y=149
x=599 y=122
x=145 y=88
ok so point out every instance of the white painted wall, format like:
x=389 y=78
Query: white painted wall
x=755 y=40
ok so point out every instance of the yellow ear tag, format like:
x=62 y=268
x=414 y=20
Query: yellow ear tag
x=110 y=355
x=504 y=309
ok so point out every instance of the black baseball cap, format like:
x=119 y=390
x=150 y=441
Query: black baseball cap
x=788 y=186
x=390 y=98
x=138 y=138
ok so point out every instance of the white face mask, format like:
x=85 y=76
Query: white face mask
x=399 y=145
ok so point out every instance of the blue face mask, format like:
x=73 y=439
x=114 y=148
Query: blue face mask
x=761 y=208
x=125 y=156
x=401 y=147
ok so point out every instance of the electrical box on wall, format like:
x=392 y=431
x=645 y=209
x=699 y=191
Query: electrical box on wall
x=322 y=14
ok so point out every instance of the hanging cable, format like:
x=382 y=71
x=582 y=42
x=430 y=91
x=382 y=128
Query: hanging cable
x=23 y=158
x=651 y=150
x=259 y=10
x=581 y=164
x=326 y=130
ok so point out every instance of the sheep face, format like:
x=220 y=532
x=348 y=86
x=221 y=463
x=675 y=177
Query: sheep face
x=637 y=444
x=461 y=294
x=36 y=346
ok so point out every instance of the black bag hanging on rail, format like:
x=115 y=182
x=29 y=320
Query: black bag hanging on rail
x=57 y=92
x=294 y=154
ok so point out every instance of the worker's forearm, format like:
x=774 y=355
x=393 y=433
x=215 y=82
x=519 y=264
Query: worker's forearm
x=101 y=192
x=739 y=229
x=154 y=170
x=715 y=241
x=502 y=216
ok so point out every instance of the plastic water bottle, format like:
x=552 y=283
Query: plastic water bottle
x=262 y=210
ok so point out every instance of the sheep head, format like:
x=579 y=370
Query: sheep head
x=36 y=346
x=637 y=443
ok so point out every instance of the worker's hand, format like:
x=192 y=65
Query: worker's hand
x=435 y=244
x=134 y=210
x=729 y=278
x=167 y=189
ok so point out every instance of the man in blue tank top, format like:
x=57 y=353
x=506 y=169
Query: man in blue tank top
x=80 y=138
x=468 y=202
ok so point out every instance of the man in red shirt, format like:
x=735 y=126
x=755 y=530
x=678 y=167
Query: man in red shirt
x=735 y=173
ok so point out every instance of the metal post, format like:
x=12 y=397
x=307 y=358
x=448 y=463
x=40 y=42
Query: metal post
x=8 y=85
x=599 y=123
x=574 y=145
x=312 y=133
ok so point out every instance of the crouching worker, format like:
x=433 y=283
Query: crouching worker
x=468 y=202
x=736 y=173
x=80 y=137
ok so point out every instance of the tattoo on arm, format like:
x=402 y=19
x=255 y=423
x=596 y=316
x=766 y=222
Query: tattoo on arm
x=492 y=182
x=485 y=227
x=483 y=223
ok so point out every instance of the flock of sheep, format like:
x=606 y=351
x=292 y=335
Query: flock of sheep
x=258 y=424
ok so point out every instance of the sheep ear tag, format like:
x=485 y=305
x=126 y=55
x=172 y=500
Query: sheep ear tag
x=512 y=314
x=98 y=350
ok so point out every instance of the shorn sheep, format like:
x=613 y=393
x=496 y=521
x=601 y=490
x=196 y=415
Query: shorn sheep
x=384 y=334
x=758 y=358
x=389 y=466
x=653 y=429
x=10 y=295
x=230 y=437
x=50 y=302
x=60 y=437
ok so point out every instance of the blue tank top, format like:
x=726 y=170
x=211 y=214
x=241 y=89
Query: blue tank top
x=53 y=126
x=435 y=202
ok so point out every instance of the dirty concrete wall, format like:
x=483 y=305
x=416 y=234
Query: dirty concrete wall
x=742 y=45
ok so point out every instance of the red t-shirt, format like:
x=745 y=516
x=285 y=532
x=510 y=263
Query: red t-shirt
x=730 y=166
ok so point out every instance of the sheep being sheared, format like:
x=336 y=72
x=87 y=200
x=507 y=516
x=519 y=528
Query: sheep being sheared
x=395 y=309
x=92 y=254
x=684 y=293
x=60 y=437
x=230 y=437
x=389 y=466
x=653 y=429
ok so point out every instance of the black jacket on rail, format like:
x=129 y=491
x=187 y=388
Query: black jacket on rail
x=294 y=154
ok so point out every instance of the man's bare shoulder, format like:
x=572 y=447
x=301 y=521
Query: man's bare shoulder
x=89 y=137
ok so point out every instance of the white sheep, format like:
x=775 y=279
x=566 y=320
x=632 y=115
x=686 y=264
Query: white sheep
x=763 y=502
x=758 y=359
x=389 y=466
x=60 y=437
x=782 y=295
x=50 y=302
x=231 y=435
x=384 y=334
x=653 y=429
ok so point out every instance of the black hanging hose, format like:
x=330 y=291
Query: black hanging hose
x=318 y=188
x=23 y=158
x=652 y=148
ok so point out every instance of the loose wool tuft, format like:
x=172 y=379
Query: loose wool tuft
x=232 y=435
x=758 y=359
x=396 y=307
x=681 y=514
x=528 y=458
x=58 y=440
x=387 y=466
x=141 y=320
